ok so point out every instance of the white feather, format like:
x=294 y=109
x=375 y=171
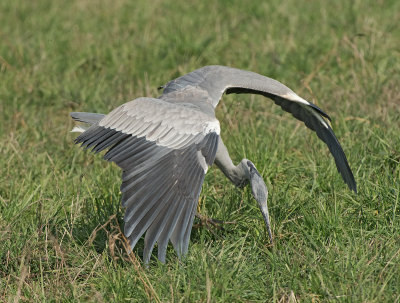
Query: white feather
x=79 y=129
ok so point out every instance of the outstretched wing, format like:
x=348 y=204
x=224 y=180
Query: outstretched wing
x=215 y=80
x=164 y=150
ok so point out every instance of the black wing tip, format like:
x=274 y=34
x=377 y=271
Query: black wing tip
x=320 y=111
x=352 y=186
x=344 y=169
x=346 y=172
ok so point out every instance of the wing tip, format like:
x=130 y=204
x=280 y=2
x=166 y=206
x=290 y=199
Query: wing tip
x=320 y=111
x=347 y=175
x=353 y=186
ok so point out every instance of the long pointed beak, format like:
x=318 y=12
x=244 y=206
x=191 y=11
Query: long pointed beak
x=260 y=193
x=264 y=211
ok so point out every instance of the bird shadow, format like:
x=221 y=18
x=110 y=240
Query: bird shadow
x=100 y=226
x=101 y=223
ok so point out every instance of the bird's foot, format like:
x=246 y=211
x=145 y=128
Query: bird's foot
x=210 y=223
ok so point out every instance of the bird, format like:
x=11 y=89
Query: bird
x=165 y=146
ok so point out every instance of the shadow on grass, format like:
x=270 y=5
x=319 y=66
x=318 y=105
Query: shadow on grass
x=101 y=226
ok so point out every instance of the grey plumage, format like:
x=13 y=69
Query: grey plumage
x=165 y=145
x=90 y=118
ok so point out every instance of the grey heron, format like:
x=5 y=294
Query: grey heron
x=165 y=146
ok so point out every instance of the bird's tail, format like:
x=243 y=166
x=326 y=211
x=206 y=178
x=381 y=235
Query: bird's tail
x=89 y=118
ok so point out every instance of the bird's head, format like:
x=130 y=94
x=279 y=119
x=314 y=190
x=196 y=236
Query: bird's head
x=259 y=191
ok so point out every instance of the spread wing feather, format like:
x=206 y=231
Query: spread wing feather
x=167 y=124
x=215 y=80
x=161 y=183
x=325 y=133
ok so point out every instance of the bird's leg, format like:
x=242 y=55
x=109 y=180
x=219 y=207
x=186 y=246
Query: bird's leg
x=242 y=174
x=207 y=222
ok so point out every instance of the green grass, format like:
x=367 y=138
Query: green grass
x=330 y=244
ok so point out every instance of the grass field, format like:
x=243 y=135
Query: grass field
x=59 y=240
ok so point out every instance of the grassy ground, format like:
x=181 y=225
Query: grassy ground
x=58 y=239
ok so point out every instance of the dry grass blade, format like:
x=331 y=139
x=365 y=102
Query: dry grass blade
x=94 y=232
x=116 y=235
x=136 y=263
x=21 y=280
